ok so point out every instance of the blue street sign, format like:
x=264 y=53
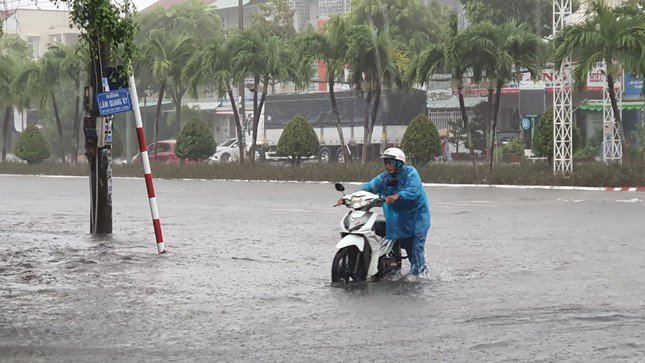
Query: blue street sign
x=526 y=123
x=112 y=102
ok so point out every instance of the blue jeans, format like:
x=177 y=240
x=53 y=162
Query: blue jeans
x=415 y=248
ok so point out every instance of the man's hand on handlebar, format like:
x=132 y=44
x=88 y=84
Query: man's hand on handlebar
x=391 y=199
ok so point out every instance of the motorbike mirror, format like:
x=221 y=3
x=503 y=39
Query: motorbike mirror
x=340 y=187
x=392 y=182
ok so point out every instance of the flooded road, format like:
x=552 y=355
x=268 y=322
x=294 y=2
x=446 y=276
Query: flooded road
x=538 y=275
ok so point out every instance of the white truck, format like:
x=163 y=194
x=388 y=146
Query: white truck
x=396 y=109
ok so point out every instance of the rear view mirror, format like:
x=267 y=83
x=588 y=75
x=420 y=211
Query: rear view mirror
x=340 y=187
x=392 y=182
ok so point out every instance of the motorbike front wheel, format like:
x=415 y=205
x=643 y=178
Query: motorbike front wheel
x=348 y=266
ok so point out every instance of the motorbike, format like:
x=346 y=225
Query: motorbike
x=363 y=250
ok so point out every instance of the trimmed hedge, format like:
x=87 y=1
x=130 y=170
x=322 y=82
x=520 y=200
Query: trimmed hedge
x=32 y=146
x=298 y=140
x=195 y=141
x=421 y=141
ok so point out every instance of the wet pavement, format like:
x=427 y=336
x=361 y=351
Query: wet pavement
x=539 y=275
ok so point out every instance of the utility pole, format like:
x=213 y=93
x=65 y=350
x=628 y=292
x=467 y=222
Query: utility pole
x=98 y=140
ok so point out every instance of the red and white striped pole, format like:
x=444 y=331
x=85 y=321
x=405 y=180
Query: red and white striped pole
x=143 y=149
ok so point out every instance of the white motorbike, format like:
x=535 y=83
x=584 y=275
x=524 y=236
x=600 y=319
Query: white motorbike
x=363 y=250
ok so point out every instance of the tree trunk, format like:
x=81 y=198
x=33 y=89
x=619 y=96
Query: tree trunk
x=238 y=125
x=59 y=126
x=162 y=89
x=366 y=127
x=77 y=122
x=498 y=94
x=257 y=112
x=464 y=118
x=334 y=107
x=5 y=131
x=177 y=115
x=618 y=120
x=374 y=113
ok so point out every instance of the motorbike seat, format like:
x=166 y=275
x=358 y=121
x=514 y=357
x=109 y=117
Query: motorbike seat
x=379 y=227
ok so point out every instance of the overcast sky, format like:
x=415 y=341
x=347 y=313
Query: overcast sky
x=46 y=4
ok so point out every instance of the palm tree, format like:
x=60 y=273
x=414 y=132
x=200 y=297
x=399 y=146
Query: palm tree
x=14 y=54
x=42 y=79
x=511 y=48
x=376 y=61
x=457 y=54
x=614 y=35
x=264 y=59
x=330 y=45
x=73 y=63
x=167 y=54
x=213 y=67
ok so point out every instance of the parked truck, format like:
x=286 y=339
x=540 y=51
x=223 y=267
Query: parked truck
x=396 y=109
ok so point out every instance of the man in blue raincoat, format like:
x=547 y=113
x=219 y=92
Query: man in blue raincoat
x=406 y=210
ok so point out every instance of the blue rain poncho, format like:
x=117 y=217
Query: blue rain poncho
x=409 y=216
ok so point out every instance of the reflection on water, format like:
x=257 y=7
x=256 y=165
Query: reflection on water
x=239 y=283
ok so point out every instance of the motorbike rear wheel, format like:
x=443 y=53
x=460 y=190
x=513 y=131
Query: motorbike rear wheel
x=348 y=266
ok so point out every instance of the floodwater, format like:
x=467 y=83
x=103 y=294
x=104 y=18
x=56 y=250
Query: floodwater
x=538 y=275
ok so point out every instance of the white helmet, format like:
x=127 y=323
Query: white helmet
x=394 y=153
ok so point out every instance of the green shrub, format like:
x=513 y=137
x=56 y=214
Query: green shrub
x=298 y=140
x=513 y=147
x=421 y=140
x=195 y=141
x=32 y=146
x=542 y=144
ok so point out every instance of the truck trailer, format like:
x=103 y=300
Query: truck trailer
x=396 y=109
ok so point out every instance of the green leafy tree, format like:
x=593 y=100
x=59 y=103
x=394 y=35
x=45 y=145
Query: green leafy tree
x=275 y=18
x=538 y=14
x=615 y=35
x=195 y=142
x=329 y=45
x=410 y=22
x=32 y=146
x=457 y=134
x=421 y=140
x=298 y=140
x=192 y=17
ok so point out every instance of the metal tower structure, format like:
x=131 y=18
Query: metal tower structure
x=611 y=145
x=562 y=100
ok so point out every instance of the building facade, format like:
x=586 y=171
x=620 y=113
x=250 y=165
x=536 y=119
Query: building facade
x=40 y=28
